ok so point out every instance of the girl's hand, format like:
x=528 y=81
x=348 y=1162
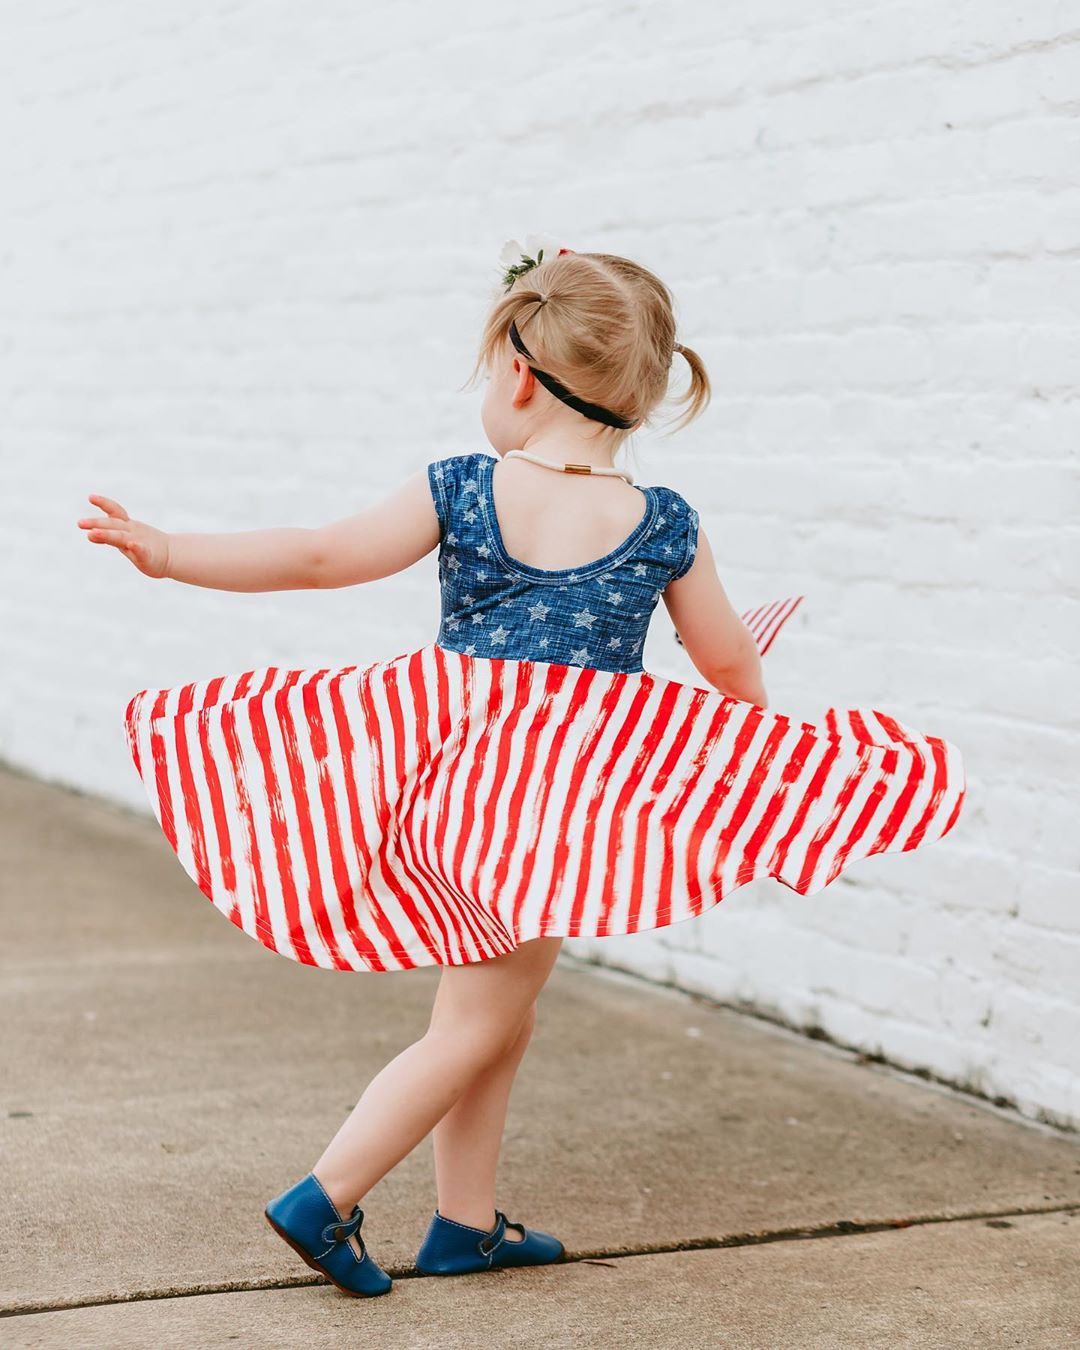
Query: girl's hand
x=141 y=544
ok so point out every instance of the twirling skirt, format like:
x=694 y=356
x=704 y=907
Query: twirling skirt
x=439 y=808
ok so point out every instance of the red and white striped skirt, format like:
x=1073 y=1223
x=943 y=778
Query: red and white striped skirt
x=439 y=809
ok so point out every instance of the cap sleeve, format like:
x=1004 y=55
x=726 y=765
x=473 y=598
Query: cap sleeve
x=440 y=474
x=688 y=537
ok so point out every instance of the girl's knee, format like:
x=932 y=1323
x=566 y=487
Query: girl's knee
x=474 y=1040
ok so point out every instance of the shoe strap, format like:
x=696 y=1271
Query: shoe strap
x=490 y=1241
x=344 y=1228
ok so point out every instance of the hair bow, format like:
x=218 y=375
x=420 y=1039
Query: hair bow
x=517 y=259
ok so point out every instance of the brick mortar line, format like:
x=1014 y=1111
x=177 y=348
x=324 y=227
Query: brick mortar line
x=802 y=1233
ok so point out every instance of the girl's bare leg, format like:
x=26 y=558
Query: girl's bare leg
x=476 y=1021
x=468 y=1138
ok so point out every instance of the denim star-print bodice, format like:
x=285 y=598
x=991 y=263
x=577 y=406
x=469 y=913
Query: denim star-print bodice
x=596 y=615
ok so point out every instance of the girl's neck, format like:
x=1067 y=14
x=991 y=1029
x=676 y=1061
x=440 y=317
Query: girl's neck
x=568 y=448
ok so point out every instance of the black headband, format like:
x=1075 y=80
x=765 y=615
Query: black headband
x=552 y=385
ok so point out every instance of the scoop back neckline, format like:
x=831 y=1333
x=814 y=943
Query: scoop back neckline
x=560 y=574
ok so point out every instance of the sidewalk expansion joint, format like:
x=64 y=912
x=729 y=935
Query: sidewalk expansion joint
x=601 y=1256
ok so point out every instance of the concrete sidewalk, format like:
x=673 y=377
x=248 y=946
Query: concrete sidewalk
x=717 y=1182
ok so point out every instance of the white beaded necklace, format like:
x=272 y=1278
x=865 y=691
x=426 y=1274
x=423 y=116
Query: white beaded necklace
x=572 y=468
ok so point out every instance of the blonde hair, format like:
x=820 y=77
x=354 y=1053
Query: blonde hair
x=604 y=327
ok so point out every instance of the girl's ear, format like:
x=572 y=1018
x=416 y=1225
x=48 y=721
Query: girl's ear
x=524 y=383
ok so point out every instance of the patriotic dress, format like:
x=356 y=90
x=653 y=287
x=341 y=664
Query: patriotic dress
x=522 y=775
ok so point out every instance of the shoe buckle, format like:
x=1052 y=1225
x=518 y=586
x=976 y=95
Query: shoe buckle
x=496 y=1235
x=345 y=1228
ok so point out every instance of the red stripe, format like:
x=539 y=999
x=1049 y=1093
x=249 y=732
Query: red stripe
x=443 y=827
x=160 y=755
x=433 y=865
x=811 y=795
x=132 y=718
x=515 y=816
x=217 y=801
x=387 y=676
x=426 y=885
x=279 y=830
x=886 y=768
x=320 y=748
x=468 y=913
x=315 y=900
x=955 y=811
x=243 y=805
x=496 y=809
x=189 y=791
x=751 y=719
x=477 y=759
x=790 y=774
x=672 y=815
x=602 y=786
x=826 y=831
x=915 y=775
x=557 y=674
x=561 y=853
x=643 y=762
x=915 y=838
x=747 y=800
x=350 y=773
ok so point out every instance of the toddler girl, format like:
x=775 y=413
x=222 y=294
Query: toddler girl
x=520 y=779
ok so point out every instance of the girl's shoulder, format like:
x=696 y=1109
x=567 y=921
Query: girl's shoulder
x=671 y=501
x=455 y=472
x=675 y=529
x=457 y=464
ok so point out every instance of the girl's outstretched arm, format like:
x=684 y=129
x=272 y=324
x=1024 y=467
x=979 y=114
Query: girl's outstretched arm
x=386 y=538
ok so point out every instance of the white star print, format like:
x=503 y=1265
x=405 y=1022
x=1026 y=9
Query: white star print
x=470 y=650
x=640 y=570
x=482 y=576
x=454 y=564
x=636 y=645
x=543 y=642
x=469 y=485
x=467 y=600
x=470 y=516
x=573 y=576
x=453 y=625
x=478 y=618
x=483 y=550
x=667 y=548
x=583 y=619
x=615 y=598
x=438 y=470
x=615 y=642
x=500 y=634
x=539 y=610
x=580 y=655
x=451 y=538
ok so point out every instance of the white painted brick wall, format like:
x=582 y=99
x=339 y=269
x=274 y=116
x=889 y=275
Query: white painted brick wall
x=244 y=255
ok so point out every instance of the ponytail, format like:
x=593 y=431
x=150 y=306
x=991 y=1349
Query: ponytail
x=698 y=393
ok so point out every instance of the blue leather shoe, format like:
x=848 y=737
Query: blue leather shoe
x=308 y=1220
x=452 y=1248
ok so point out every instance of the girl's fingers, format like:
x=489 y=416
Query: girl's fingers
x=119 y=537
x=107 y=504
x=97 y=523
